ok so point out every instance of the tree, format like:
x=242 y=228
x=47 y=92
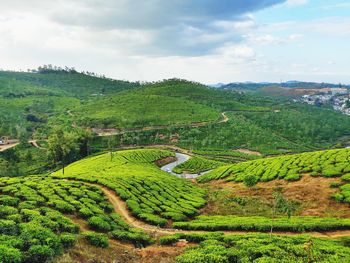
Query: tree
x=62 y=147
x=84 y=138
x=281 y=205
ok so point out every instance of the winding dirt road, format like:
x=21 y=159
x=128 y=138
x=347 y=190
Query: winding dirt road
x=112 y=132
x=121 y=208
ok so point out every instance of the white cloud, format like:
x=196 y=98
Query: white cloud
x=296 y=2
x=273 y=40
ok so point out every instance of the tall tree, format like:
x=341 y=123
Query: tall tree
x=62 y=148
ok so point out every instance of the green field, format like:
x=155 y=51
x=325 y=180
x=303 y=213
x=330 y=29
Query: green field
x=150 y=194
x=331 y=163
x=263 y=224
x=197 y=165
x=36 y=212
x=67 y=210
x=136 y=110
x=260 y=248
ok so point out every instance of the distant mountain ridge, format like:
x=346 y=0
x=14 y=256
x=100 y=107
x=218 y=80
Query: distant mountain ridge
x=293 y=84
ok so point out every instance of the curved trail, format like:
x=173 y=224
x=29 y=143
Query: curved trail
x=112 y=132
x=121 y=208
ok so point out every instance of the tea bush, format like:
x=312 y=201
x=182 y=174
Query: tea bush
x=329 y=163
x=150 y=194
x=33 y=222
x=259 y=223
x=263 y=248
x=197 y=165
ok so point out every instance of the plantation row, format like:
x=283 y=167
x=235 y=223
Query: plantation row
x=197 y=165
x=150 y=194
x=228 y=155
x=33 y=225
x=217 y=247
x=259 y=223
x=330 y=163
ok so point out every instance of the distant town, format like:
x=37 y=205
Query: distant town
x=338 y=98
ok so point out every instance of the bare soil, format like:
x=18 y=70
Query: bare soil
x=313 y=194
x=247 y=151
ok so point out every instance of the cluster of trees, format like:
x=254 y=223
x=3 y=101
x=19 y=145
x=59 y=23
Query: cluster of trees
x=65 y=147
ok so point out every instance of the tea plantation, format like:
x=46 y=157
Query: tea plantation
x=260 y=248
x=197 y=165
x=263 y=224
x=36 y=215
x=150 y=194
x=330 y=163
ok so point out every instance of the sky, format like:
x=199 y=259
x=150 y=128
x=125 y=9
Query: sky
x=210 y=41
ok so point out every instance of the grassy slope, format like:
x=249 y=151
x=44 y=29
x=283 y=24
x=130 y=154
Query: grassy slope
x=151 y=194
x=137 y=110
x=37 y=213
x=197 y=165
x=329 y=163
x=260 y=248
x=76 y=84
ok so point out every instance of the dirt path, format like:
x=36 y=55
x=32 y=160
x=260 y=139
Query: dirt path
x=121 y=208
x=35 y=144
x=8 y=146
x=112 y=132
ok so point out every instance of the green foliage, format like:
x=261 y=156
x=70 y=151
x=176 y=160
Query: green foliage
x=304 y=124
x=290 y=167
x=151 y=194
x=68 y=240
x=250 y=180
x=259 y=223
x=32 y=214
x=197 y=165
x=131 y=110
x=96 y=239
x=22 y=160
x=135 y=236
x=10 y=254
x=261 y=248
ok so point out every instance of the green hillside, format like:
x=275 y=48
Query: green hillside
x=331 y=163
x=150 y=194
x=72 y=83
x=130 y=110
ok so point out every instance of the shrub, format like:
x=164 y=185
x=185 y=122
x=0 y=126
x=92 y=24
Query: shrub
x=9 y=200
x=8 y=227
x=169 y=240
x=153 y=219
x=68 y=240
x=292 y=177
x=96 y=239
x=99 y=224
x=85 y=212
x=335 y=185
x=39 y=253
x=10 y=254
x=135 y=236
x=346 y=177
x=250 y=180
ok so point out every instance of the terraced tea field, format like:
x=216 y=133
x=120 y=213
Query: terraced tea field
x=38 y=214
x=150 y=194
x=124 y=196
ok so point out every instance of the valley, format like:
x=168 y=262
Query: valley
x=172 y=170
